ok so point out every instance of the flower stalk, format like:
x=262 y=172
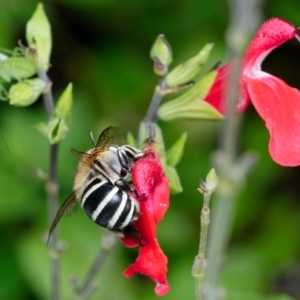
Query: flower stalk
x=200 y=262
x=86 y=289
x=52 y=190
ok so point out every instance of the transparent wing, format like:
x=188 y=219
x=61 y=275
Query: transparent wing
x=108 y=137
x=69 y=202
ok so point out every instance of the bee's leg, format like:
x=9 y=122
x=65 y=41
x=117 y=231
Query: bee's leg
x=124 y=186
x=131 y=232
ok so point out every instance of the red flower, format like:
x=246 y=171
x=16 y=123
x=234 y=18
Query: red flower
x=277 y=103
x=153 y=189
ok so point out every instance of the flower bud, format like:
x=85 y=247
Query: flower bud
x=20 y=67
x=190 y=105
x=161 y=53
x=186 y=71
x=26 y=92
x=38 y=35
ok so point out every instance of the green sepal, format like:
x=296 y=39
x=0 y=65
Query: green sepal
x=26 y=92
x=172 y=175
x=161 y=53
x=38 y=35
x=58 y=126
x=187 y=71
x=131 y=140
x=190 y=105
x=19 y=67
x=174 y=153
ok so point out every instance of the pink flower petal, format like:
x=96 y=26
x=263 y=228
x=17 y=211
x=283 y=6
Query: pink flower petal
x=279 y=106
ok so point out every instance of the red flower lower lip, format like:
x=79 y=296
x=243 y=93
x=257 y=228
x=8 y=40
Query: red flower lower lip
x=153 y=188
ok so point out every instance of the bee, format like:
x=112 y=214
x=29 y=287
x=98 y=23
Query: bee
x=101 y=188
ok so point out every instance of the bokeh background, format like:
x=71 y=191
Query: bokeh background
x=103 y=48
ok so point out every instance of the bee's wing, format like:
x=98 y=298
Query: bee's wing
x=108 y=137
x=64 y=209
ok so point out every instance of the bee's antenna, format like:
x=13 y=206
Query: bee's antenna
x=92 y=138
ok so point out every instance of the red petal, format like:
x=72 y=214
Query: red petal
x=152 y=186
x=279 y=106
x=218 y=92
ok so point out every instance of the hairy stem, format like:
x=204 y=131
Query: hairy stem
x=200 y=263
x=52 y=191
x=84 y=290
x=240 y=29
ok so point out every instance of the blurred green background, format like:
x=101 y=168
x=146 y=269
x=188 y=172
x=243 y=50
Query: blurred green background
x=103 y=48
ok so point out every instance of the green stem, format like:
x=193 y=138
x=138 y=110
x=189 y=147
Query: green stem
x=88 y=287
x=52 y=191
x=198 y=269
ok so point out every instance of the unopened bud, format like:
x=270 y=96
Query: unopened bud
x=20 y=67
x=211 y=181
x=161 y=53
x=188 y=70
x=26 y=92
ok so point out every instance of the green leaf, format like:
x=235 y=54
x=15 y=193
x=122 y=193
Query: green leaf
x=175 y=185
x=26 y=92
x=38 y=35
x=64 y=104
x=161 y=53
x=174 y=153
x=188 y=70
x=131 y=140
x=20 y=67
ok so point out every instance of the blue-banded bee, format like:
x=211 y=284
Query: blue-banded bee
x=100 y=186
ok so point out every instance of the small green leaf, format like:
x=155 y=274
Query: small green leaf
x=211 y=181
x=188 y=70
x=131 y=140
x=64 y=104
x=174 y=153
x=38 y=35
x=175 y=185
x=20 y=67
x=26 y=92
x=161 y=53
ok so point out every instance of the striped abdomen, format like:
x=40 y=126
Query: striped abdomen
x=109 y=206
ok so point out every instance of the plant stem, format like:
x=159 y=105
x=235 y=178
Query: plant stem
x=151 y=114
x=52 y=191
x=88 y=287
x=240 y=29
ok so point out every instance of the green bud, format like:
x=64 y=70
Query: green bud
x=172 y=175
x=188 y=70
x=211 y=181
x=26 y=92
x=38 y=35
x=190 y=104
x=161 y=53
x=175 y=152
x=20 y=67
